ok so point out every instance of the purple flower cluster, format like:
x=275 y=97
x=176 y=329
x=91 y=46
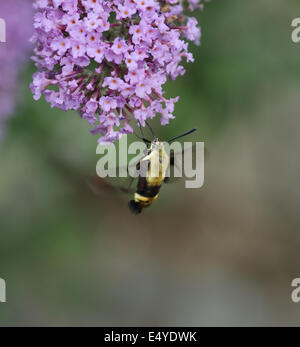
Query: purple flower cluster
x=13 y=52
x=109 y=59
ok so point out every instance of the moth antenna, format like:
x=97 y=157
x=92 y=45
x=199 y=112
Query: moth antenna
x=141 y=138
x=152 y=132
x=184 y=134
x=141 y=129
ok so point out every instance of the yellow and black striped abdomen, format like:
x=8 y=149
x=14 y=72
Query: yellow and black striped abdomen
x=145 y=195
x=146 y=192
x=148 y=187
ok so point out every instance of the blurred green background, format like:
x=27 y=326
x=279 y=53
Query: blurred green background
x=224 y=254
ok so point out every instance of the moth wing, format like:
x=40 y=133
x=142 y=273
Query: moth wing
x=100 y=185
